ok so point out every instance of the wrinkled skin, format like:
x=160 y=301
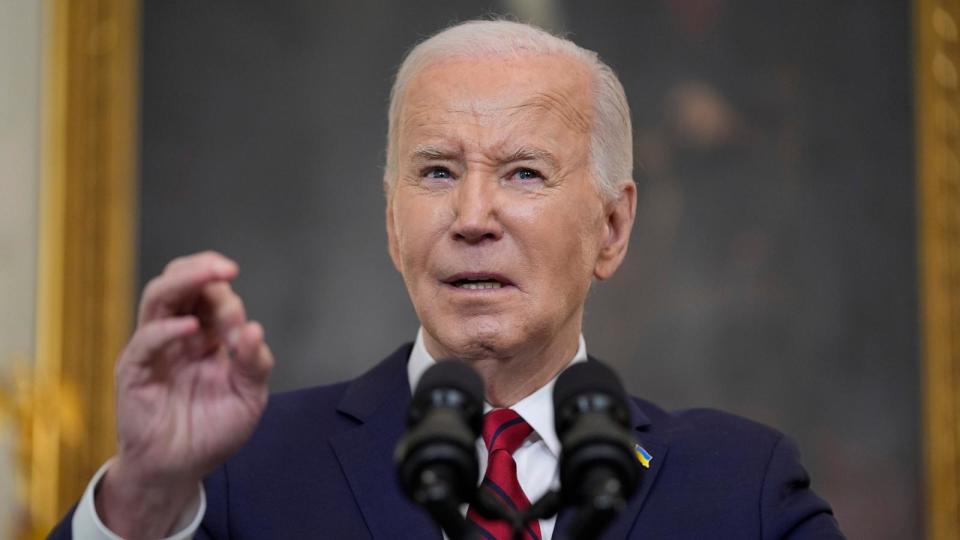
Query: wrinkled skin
x=494 y=180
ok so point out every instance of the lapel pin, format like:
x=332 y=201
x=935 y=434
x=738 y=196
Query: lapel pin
x=643 y=456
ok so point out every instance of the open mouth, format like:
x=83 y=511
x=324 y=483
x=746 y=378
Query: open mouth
x=476 y=285
x=477 y=282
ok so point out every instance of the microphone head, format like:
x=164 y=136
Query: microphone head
x=598 y=468
x=452 y=373
x=436 y=458
x=449 y=384
x=587 y=387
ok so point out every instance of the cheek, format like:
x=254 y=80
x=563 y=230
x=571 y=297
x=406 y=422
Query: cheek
x=419 y=225
x=562 y=248
x=591 y=240
x=570 y=234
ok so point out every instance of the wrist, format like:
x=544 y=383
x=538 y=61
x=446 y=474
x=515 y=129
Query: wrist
x=133 y=505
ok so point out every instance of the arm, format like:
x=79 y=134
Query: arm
x=191 y=386
x=788 y=507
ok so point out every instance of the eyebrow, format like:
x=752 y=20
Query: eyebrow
x=531 y=153
x=429 y=152
x=522 y=153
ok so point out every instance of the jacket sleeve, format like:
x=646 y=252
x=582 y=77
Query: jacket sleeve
x=215 y=524
x=789 y=509
x=64 y=529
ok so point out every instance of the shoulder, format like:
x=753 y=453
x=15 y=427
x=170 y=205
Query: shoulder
x=318 y=412
x=294 y=429
x=736 y=472
x=714 y=444
x=286 y=406
x=707 y=426
x=288 y=413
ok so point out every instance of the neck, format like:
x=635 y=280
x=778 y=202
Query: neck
x=510 y=376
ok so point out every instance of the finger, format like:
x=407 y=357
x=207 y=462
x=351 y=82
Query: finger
x=187 y=260
x=222 y=312
x=152 y=337
x=222 y=315
x=177 y=288
x=252 y=356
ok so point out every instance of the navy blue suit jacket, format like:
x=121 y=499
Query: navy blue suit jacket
x=320 y=465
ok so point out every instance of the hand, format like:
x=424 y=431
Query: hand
x=191 y=386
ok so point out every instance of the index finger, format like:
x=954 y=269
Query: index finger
x=179 y=286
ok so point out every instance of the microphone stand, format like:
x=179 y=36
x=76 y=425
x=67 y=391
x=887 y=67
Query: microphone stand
x=491 y=508
x=595 y=512
x=591 y=517
x=437 y=496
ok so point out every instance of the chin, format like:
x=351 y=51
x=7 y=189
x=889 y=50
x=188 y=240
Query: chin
x=477 y=337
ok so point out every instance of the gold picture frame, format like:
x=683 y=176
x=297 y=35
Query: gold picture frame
x=937 y=100
x=86 y=252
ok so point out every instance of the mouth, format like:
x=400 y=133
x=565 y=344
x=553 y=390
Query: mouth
x=478 y=281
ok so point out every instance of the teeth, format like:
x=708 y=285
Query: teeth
x=476 y=285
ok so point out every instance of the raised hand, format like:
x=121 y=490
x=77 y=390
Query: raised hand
x=191 y=386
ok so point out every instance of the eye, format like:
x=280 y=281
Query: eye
x=437 y=173
x=526 y=175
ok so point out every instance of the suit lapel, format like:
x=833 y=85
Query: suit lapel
x=657 y=447
x=378 y=401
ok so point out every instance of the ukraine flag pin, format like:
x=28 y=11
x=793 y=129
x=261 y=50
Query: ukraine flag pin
x=643 y=456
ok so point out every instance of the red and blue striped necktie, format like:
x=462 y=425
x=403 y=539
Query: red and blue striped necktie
x=503 y=432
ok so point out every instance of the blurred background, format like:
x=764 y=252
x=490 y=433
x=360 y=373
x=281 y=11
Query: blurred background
x=773 y=271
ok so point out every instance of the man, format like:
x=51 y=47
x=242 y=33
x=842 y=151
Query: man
x=509 y=190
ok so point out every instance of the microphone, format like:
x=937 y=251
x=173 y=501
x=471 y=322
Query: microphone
x=436 y=459
x=598 y=468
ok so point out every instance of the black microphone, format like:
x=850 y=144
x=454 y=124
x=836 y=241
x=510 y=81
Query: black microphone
x=599 y=469
x=436 y=459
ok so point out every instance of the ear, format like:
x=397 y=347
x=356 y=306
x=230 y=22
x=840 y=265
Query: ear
x=619 y=215
x=393 y=246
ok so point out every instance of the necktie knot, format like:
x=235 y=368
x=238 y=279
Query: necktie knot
x=504 y=429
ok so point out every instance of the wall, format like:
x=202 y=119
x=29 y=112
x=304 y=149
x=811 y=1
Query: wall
x=20 y=60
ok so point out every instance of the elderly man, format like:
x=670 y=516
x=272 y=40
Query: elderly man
x=509 y=190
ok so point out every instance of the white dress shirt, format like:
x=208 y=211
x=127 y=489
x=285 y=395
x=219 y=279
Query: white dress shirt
x=539 y=453
x=536 y=458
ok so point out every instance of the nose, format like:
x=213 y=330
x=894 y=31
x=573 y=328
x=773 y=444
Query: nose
x=476 y=212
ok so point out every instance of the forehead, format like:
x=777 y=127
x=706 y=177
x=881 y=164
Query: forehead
x=550 y=93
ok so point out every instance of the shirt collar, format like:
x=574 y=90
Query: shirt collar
x=536 y=409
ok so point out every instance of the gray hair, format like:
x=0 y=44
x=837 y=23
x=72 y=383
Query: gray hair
x=611 y=136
